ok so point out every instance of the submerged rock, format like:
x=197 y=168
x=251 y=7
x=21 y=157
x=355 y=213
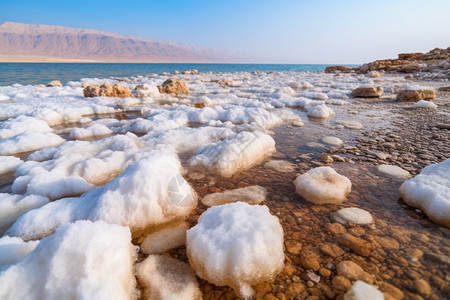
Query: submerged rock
x=363 y=291
x=429 y=191
x=254 y=194
x=353 y=215
x=107 y=90
x=282 y=166
x=173 y=86
x=367 y=92
x=238 y=245
x=323 y=185
x=393 y=171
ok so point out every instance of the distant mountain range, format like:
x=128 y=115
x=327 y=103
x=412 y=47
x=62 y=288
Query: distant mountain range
x=44 y=43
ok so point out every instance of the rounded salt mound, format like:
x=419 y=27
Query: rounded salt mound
x=238 y=245
x=323 y=185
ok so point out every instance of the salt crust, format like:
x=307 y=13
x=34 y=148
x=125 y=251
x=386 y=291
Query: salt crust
x=363 y=291
x=67 y=265
x=353 y=215
x=149 y=192
x=29 y=141
x=168 y=237
x=238 y=245
x=425 y=104
x=21 y=124
x=254 y=194
x=393 y=171
x=9 y=163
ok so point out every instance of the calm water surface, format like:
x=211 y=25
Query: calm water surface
x=37 y=73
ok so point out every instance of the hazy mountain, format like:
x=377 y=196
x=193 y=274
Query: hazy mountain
x=27 y=42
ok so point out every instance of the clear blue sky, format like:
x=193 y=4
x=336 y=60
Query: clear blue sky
x=278 y=31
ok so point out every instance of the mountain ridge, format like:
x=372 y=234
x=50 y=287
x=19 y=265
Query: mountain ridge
x=37 y=42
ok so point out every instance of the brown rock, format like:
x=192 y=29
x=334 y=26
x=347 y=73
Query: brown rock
x=324 y=272
x=308 y=261
x=388 y=243
x=332 y=250
x=352 y=271
x=358 y=245
x=341 y=283
x=173 y=86
x=444 y=89
x=416 y=95
x=422 y=287
x=335 y=228
x=54 y=83
x=391 y=290
x=294 y=289
x=107 y=90
x=414 y=55
x=293 y=247
x=333 y=69
x=326 y=158
x=226 y=82
x=368 y=92
x=289 y=269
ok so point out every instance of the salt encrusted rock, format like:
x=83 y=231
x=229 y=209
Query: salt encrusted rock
x=353 y=271
x=238 y=245
x=319 y=111
x=416 y=93
x=323 y=185
x=363 y=291
x=167 y=278
x=13 y=250
x=54 y=83
x=368 y=92
x=83 y=260
x=165 y=238
x=425 y=104
x=332 y=140
x=254 y=194
x=353 y=215
x=226 y=82
x=393 y=171
x=107 y=90
x=173 y=86
x=9 y=164
x=29 y=141
x=333 y=69
x=374 y=74
x=429 y=191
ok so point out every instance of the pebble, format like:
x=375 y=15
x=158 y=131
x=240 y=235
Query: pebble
x=422 y=287
x=388 y=243
x=353 y=271
x=309 y=261
x=294 y=289
x=393 y=291
x=356 y=244
x=313 y=277
x=332 y=250
x=293 y=247
x=341 y=283
x=335 y=228
x=326 y=158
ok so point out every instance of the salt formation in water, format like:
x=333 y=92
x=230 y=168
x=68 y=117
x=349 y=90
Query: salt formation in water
x=13 y=206
x=323 y=185
x=254 y=194
x=9 y=163
x=319 y=111
x=167 y=278
x=425 y=104
x=149 y=192
x=429 y=191
x=235 y=154
x=90 y=131
x=332 y=140
x=363 y=291
x=353 y=215
x=13 y=250
x=21 y=124
x=29 y=141
x=68 y=265
x=238 y=245
x=163 y=239
x=280 y=166
x=393 y=171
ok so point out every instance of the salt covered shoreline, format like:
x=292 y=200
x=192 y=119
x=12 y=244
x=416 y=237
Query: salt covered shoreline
x=143 y=161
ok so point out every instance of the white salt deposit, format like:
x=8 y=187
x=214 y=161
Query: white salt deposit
x=9 y=164
x=424 y=104
x=93 y=130
x=238 y=245
x=164 y=238
x=320 y=111
x=350 y=124
x=363 y=291
x=235 y=154
x=429 y=191
x=167 y=278
x=254 y=194
x=13 y=206
x=393 y=171
x=13 y=250
x=149 y=192
x=29 y=141
x=83 y=260
x=280 y=166
x=323 y=185
x=332 y=140
x=21 y=124
x=353 y=215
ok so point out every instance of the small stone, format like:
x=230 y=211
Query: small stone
x=326 y=158
x=293 y=247
x=422 y=287
x=393 y=171
x=341 y=283
x=282 y=166
x=309 y=261
x=332 y=250
x=313 y=277
x=332 y=140
x=294 y=289
x=356 y=244
x=324 y=272
x=368 y=92
x=54 y=83
x=353 y=215
x=391 y=290
x=352 y=271
x=388 y=243
x=289 y=269
x=335 y=228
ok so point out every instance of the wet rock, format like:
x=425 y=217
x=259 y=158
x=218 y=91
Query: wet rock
x=294 y=289
x=332 y=140
x=107 y=90
x=368 y=92
x=388 y=243
x=324 y=272
x=335 y=228
x=332 y=250
x=387 y=288
x=353 y=215
x=356 y=244
x=313 y=277
x=54 y=83
x=281 y=166
x=415 y=95
x=353 y=271
x=422 y=287
x=341 y=283
x=393 y=171
x=326 y=158
x=293 y=247
x=308 y=261
x=173 y=86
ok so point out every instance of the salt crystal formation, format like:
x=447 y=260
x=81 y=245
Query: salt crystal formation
x=363 y=291
x=82 y=260
x=167 y=278
x=254 y=194
x=429 y=191
x=323 y=185
x=163 y=239
x=238 y=245
x=353 y=215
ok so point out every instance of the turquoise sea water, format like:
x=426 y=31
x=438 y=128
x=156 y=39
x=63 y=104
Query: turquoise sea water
x=37 y=73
